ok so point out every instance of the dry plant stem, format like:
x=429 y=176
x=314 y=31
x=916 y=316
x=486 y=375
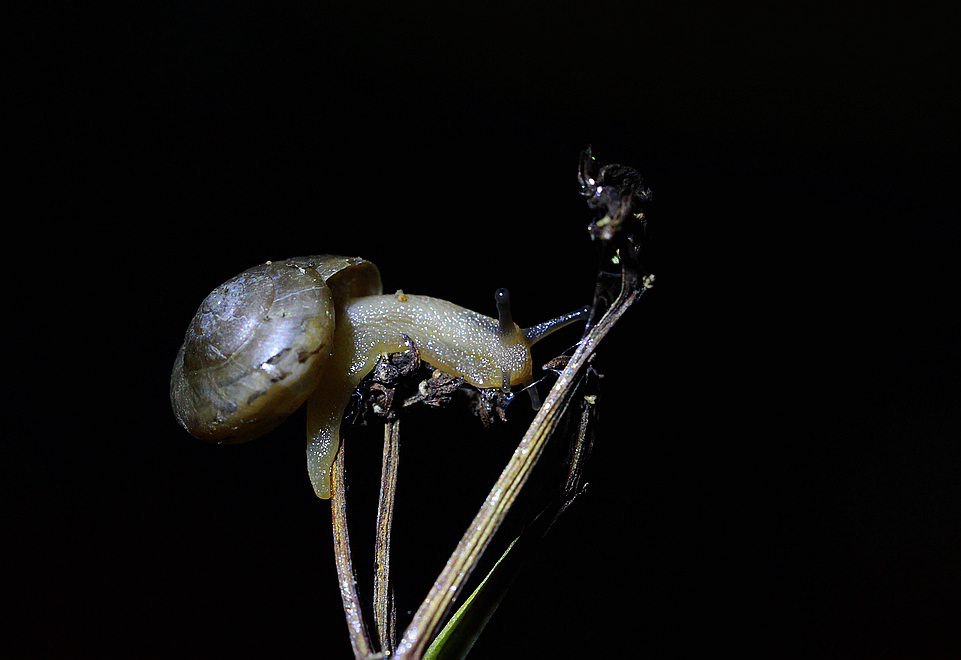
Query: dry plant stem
x=359 y=640
x=384 y=612
x=580 y=449
x=492 y=513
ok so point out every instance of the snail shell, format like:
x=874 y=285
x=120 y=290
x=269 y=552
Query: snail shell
x=258 y=344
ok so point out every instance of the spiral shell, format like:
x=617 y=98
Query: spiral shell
x=257 y=346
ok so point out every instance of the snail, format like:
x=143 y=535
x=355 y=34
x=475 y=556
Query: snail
x=310 y=329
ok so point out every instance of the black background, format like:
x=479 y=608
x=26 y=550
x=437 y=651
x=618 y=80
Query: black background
x=776 y=471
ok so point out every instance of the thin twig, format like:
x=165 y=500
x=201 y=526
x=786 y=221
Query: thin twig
x=581 y=445
x=359 y=640
x=489 y=517
x=384 y=610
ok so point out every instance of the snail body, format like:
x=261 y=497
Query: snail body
x=311 y=328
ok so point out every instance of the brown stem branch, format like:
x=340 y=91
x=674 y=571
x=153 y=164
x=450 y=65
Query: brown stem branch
x=359 y=640
x=384 y=611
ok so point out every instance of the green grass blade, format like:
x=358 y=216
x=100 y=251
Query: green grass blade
x=457 y=637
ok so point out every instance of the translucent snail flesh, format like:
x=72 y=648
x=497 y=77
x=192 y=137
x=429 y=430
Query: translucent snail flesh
x=311 y=328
